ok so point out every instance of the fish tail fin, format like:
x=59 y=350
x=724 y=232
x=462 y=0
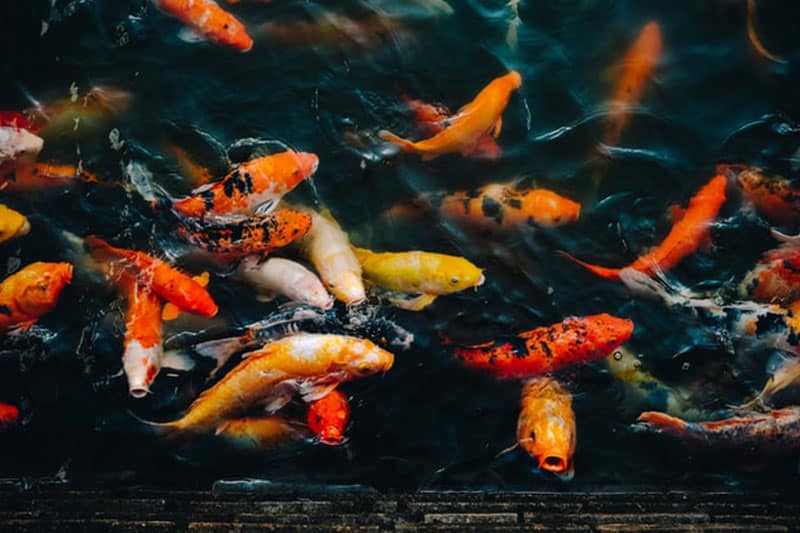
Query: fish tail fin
x=603 y=272
x=167 y=430
x=785 y=375
x=661 y=422
x=221 y=350
x=140 y=179
x=403 y=144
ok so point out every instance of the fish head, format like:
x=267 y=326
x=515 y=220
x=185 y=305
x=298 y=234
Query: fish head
x=314 y=292
x=513 y=80
x=141 y=365
x=292 y=167
x=549 y=209
x=456 y=274
x=12 y=224
x=607 y=332
x=548 y=435
x=43 y=285
x=233 y=33
x=364 y=358
x=328 y=416
x=349 y=288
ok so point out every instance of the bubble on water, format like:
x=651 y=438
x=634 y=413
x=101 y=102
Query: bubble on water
x=637 y=365
x=685 y=366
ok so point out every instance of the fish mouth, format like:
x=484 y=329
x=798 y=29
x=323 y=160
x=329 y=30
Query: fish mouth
x=481 y=280
x=554 y=464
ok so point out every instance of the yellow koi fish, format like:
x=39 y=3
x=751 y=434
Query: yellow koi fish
x=12 y=224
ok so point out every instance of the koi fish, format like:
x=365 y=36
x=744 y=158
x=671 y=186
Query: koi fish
x=463 y=131
x=143 y=353
x=425 y=273
x=432 y=119
x=91 y=111
x=258 y=435
x=31 y=292
x=281 y=276
x=13 y=224
x=260 y=234
x=196 y=174
x=18 y=142
x=258 y=183
x=328 y=248
x=775 y=432
x=776 y=278
x=206 y=19
x=165 y=281
x=25 y=176
x=682 y=240
x=337 y=32
x=546 y=426
x=9 y=415
x=308 y=364
x=328 y=416
x=775 y=197
x=636 y=70
x=574 y=341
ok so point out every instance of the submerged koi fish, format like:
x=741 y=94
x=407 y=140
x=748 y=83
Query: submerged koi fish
x=258 y=183
x=682 y=240
x=270 y=434
x=546 y=426
x=143 y=353
x=206 y=19
x=308 y=364
x=13 y=224
x=91 y=110
x=774 y=432
x=31 y=292
x=426 y=273
x=776 y=199
x=18 y=142
x=25 y=176
x=337 y=32
x=276 y=275
x=464 y=129
x=328 y=417
x=574 y=341
x=776 y=278
x=636 y=70
x=495 y=208
x=9 y=415
x=164 y=280
x=259 y=234
x=196 y=174
x=329 y=250
x=752 y=34
x=433 y=119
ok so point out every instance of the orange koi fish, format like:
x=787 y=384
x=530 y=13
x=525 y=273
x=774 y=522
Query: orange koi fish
x=270 y=434
x=774 y=432
x=636 y=70
x=497 y=207
x=311 y=365
x=775 y=198
x=259 y=183
x=260 y=234
x=207 y=19
x=25 y=176
x=464 y=130
x=141 y=358
x=546 y=426
x=776 y=278
x=164 y=280
x=574 y=341
x=432 y=119
x=684 y=238
x=328 y=416
x=31 y=292
x=9 y=415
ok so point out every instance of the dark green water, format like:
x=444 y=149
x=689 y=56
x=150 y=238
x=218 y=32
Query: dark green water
x=428 y=422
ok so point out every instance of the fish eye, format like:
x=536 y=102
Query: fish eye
x=532 y=435
x=364 y=369
x=453 y=280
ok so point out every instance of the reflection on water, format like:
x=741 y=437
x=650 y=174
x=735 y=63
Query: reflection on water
x=615 y=126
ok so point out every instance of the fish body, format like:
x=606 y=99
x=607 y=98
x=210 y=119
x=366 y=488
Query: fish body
x=259 y=234
x=267 y=434
x=208 y=20
x=682 y=240
x=418 y=272
x=328 y=248
x=251 y=185
x=463 y=131
x=92 y=110
x=337 y=32
x=18 y=142
x=26 y=176
x=9 y=415
x=143 y=350
x=309 y=364
x=13 y=224
x=576 y=340
x=774 y=432
x=777 y=199
x=196 y=174
x=546 y=426
x=31 y=292
x=282 y=276
x=775 y=279
x=328 y=417
x=167 y=282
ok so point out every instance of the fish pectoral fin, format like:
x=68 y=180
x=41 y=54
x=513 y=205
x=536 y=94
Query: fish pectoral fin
x=177 y=360
x=418 y=303
x=497 y=128
x=267 y=207
x=265 y=296
x=189 y=36
x=221 y=428
x=280 y=396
